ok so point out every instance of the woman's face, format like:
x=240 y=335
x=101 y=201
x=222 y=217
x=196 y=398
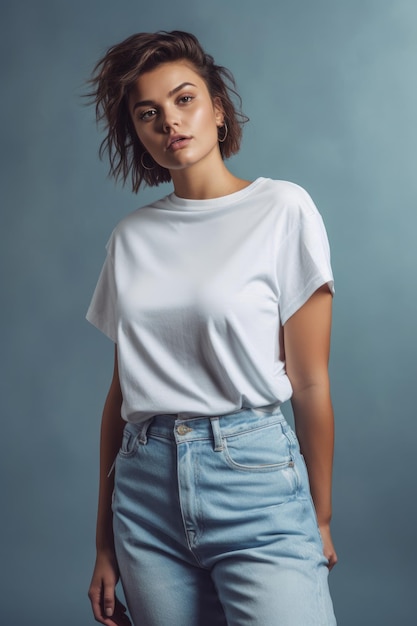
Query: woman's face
x=175 y=117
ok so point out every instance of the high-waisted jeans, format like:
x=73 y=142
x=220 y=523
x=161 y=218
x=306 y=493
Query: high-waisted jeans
x=214 y=524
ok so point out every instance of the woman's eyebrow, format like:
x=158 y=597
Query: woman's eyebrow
x=170 y=93
x=174 y=91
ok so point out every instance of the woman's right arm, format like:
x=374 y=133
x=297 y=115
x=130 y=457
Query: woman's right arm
x=106 y=608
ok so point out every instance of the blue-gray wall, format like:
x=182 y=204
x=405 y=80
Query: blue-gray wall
x=331 y=90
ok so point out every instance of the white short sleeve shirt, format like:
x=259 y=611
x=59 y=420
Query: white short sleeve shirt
x=195 y=294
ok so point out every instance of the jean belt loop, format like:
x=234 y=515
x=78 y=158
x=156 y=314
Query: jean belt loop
x=143 y=439
x=217 y=434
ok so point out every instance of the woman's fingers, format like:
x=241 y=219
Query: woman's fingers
x=328 y=547
x=108 y=598
x=106 y=608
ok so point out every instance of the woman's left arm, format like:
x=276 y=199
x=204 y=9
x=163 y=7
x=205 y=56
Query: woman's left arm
x=307 y=348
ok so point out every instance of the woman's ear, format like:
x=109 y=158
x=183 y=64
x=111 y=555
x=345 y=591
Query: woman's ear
x=218 y=111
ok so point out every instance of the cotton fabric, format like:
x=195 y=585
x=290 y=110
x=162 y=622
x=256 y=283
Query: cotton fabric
x=195 y=294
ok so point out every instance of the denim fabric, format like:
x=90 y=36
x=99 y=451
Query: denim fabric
x=215 y=526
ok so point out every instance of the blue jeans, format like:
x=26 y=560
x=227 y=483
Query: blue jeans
x=214 y=524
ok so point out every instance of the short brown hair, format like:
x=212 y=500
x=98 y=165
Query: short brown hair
x=113 y=78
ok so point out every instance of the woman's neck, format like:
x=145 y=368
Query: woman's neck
x=203 y=185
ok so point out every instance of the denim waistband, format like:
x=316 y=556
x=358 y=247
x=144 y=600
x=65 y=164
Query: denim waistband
x=213 y=427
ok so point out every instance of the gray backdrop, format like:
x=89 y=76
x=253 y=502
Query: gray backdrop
x=330 y=87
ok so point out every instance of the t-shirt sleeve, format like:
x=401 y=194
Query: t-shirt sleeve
x=102 y=310
x=303 y=262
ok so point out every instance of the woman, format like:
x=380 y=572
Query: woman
x=218 y=299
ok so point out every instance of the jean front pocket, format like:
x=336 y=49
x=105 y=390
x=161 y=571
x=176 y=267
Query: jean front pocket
x=263 y=449
x=129 y=440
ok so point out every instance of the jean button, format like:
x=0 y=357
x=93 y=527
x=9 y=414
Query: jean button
x=182 y=429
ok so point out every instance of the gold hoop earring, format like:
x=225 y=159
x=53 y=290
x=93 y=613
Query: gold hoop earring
x=143 y=164
x=226 y=130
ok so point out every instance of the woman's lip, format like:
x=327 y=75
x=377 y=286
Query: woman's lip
x=178 y=142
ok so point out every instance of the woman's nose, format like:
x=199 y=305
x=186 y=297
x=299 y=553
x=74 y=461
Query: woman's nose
x=170 y=120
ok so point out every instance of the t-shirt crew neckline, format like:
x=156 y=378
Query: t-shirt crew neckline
x=186 y=204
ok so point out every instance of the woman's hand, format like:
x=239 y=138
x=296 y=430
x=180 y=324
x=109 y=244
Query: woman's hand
x=328 y=547
x=106 y=607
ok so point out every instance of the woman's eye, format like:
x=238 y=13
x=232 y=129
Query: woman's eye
x=186 y=99
x=146 y=115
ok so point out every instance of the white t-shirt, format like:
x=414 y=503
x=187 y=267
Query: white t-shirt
x=195 y=294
